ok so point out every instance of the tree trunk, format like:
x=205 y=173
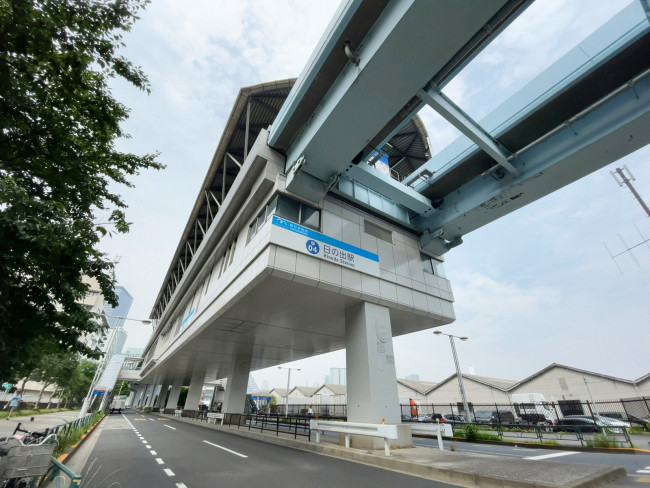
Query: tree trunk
x=49 y=402
x=40 y=393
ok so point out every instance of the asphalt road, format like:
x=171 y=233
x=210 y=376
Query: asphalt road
x=145 y=450
x=635 y=465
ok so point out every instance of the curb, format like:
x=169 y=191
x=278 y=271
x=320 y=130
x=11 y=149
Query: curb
x=524 y=445
x=73 y=448
x=446 y=475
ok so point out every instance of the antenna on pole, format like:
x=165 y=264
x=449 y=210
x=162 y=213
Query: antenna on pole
x=623 y=176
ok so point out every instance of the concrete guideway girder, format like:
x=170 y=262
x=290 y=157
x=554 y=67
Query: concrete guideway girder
x=416 y=40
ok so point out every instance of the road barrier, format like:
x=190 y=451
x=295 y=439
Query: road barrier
x=387 y=432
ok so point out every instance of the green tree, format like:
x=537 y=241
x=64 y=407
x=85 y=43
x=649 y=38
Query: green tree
x=58 y=168
x=121 y=388
x=75 y=387
x=53 y=369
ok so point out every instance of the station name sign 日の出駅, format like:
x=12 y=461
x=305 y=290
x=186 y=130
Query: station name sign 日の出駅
x=308 y=241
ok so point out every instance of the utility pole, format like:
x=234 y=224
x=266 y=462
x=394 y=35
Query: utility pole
x=627 y=181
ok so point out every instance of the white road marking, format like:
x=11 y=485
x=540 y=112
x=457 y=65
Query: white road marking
x=153 y=453
x=143 y=441
x=643 y=471
x=226 y=449
x=557 y=454
x=169 y=472
x=160 y=461
x=169 y=427
x=180 y=485
x=148 y=446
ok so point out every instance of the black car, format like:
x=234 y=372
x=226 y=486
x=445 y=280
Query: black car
x=502 y=417
x=575 y=423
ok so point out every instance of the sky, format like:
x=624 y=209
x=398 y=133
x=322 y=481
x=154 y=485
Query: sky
x=533 y=288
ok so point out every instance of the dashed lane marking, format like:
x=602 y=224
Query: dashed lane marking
x=226 y=449
x=147 y=446
x=180 y=485
x=169 y=472
x=169 y=427
x=153 y=453
x=554 y=455
x=160 y=461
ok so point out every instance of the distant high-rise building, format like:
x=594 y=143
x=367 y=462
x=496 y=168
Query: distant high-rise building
x=415 y=377
x=124 y=302
x=336 y=376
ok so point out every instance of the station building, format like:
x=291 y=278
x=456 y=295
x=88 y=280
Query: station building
x=262 y=276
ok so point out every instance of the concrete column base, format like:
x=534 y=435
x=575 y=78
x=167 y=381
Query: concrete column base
x=404 y=440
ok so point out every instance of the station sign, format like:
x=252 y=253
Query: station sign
x=307 y=241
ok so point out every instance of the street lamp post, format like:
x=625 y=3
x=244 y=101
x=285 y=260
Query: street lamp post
x=102 y=363
x=458 y=373
x=286 y=401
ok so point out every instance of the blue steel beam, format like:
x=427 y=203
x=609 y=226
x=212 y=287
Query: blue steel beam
x=411 y=43
x=477 y=200
x=439 y=102
x=610 y=130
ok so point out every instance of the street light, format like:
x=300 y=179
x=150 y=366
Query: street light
x=286 y=403
x=458 y=373
x=102 y=362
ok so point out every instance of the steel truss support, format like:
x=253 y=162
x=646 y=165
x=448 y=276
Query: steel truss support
x=439 y=102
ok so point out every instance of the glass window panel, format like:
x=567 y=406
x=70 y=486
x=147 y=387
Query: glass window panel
x=260 y=221
x=252 y=230
x=270 y=209
x=310 y=217
x=288 y=209
x=438 y=268
x=426 y=264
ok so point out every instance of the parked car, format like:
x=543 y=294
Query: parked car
x=502 y=417
x=575 y=423
x=613 y=424
x=452 y=418
x=483 y=416
x=632 y=419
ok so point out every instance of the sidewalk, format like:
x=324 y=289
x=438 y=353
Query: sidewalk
x=40 y=422
x=457 y=468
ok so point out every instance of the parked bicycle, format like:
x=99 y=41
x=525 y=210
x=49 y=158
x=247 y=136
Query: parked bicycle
x=24 y=459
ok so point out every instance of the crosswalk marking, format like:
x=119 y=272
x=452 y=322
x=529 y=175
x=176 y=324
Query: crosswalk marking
x=556 y=454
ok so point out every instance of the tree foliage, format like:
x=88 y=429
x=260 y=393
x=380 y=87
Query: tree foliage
x=58 y=168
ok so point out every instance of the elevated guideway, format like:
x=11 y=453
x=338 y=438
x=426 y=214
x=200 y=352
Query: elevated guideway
x=296 y=246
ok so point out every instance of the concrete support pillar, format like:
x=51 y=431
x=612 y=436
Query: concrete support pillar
x=162 y=396
x=155 y=387
x=194 y=394
x=145 y=395
x=172 y=401
x=370 y=369
x=235 y=395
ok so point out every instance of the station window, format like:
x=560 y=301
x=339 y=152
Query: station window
x=432 y=266
x=227 y=258
x=287 y=208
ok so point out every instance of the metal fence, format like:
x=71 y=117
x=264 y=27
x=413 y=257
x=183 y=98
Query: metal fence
x=636 y=411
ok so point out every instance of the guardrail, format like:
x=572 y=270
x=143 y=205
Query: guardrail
x=212 y=417
x=60 y=473
x=387 y=432
x=430 y=429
